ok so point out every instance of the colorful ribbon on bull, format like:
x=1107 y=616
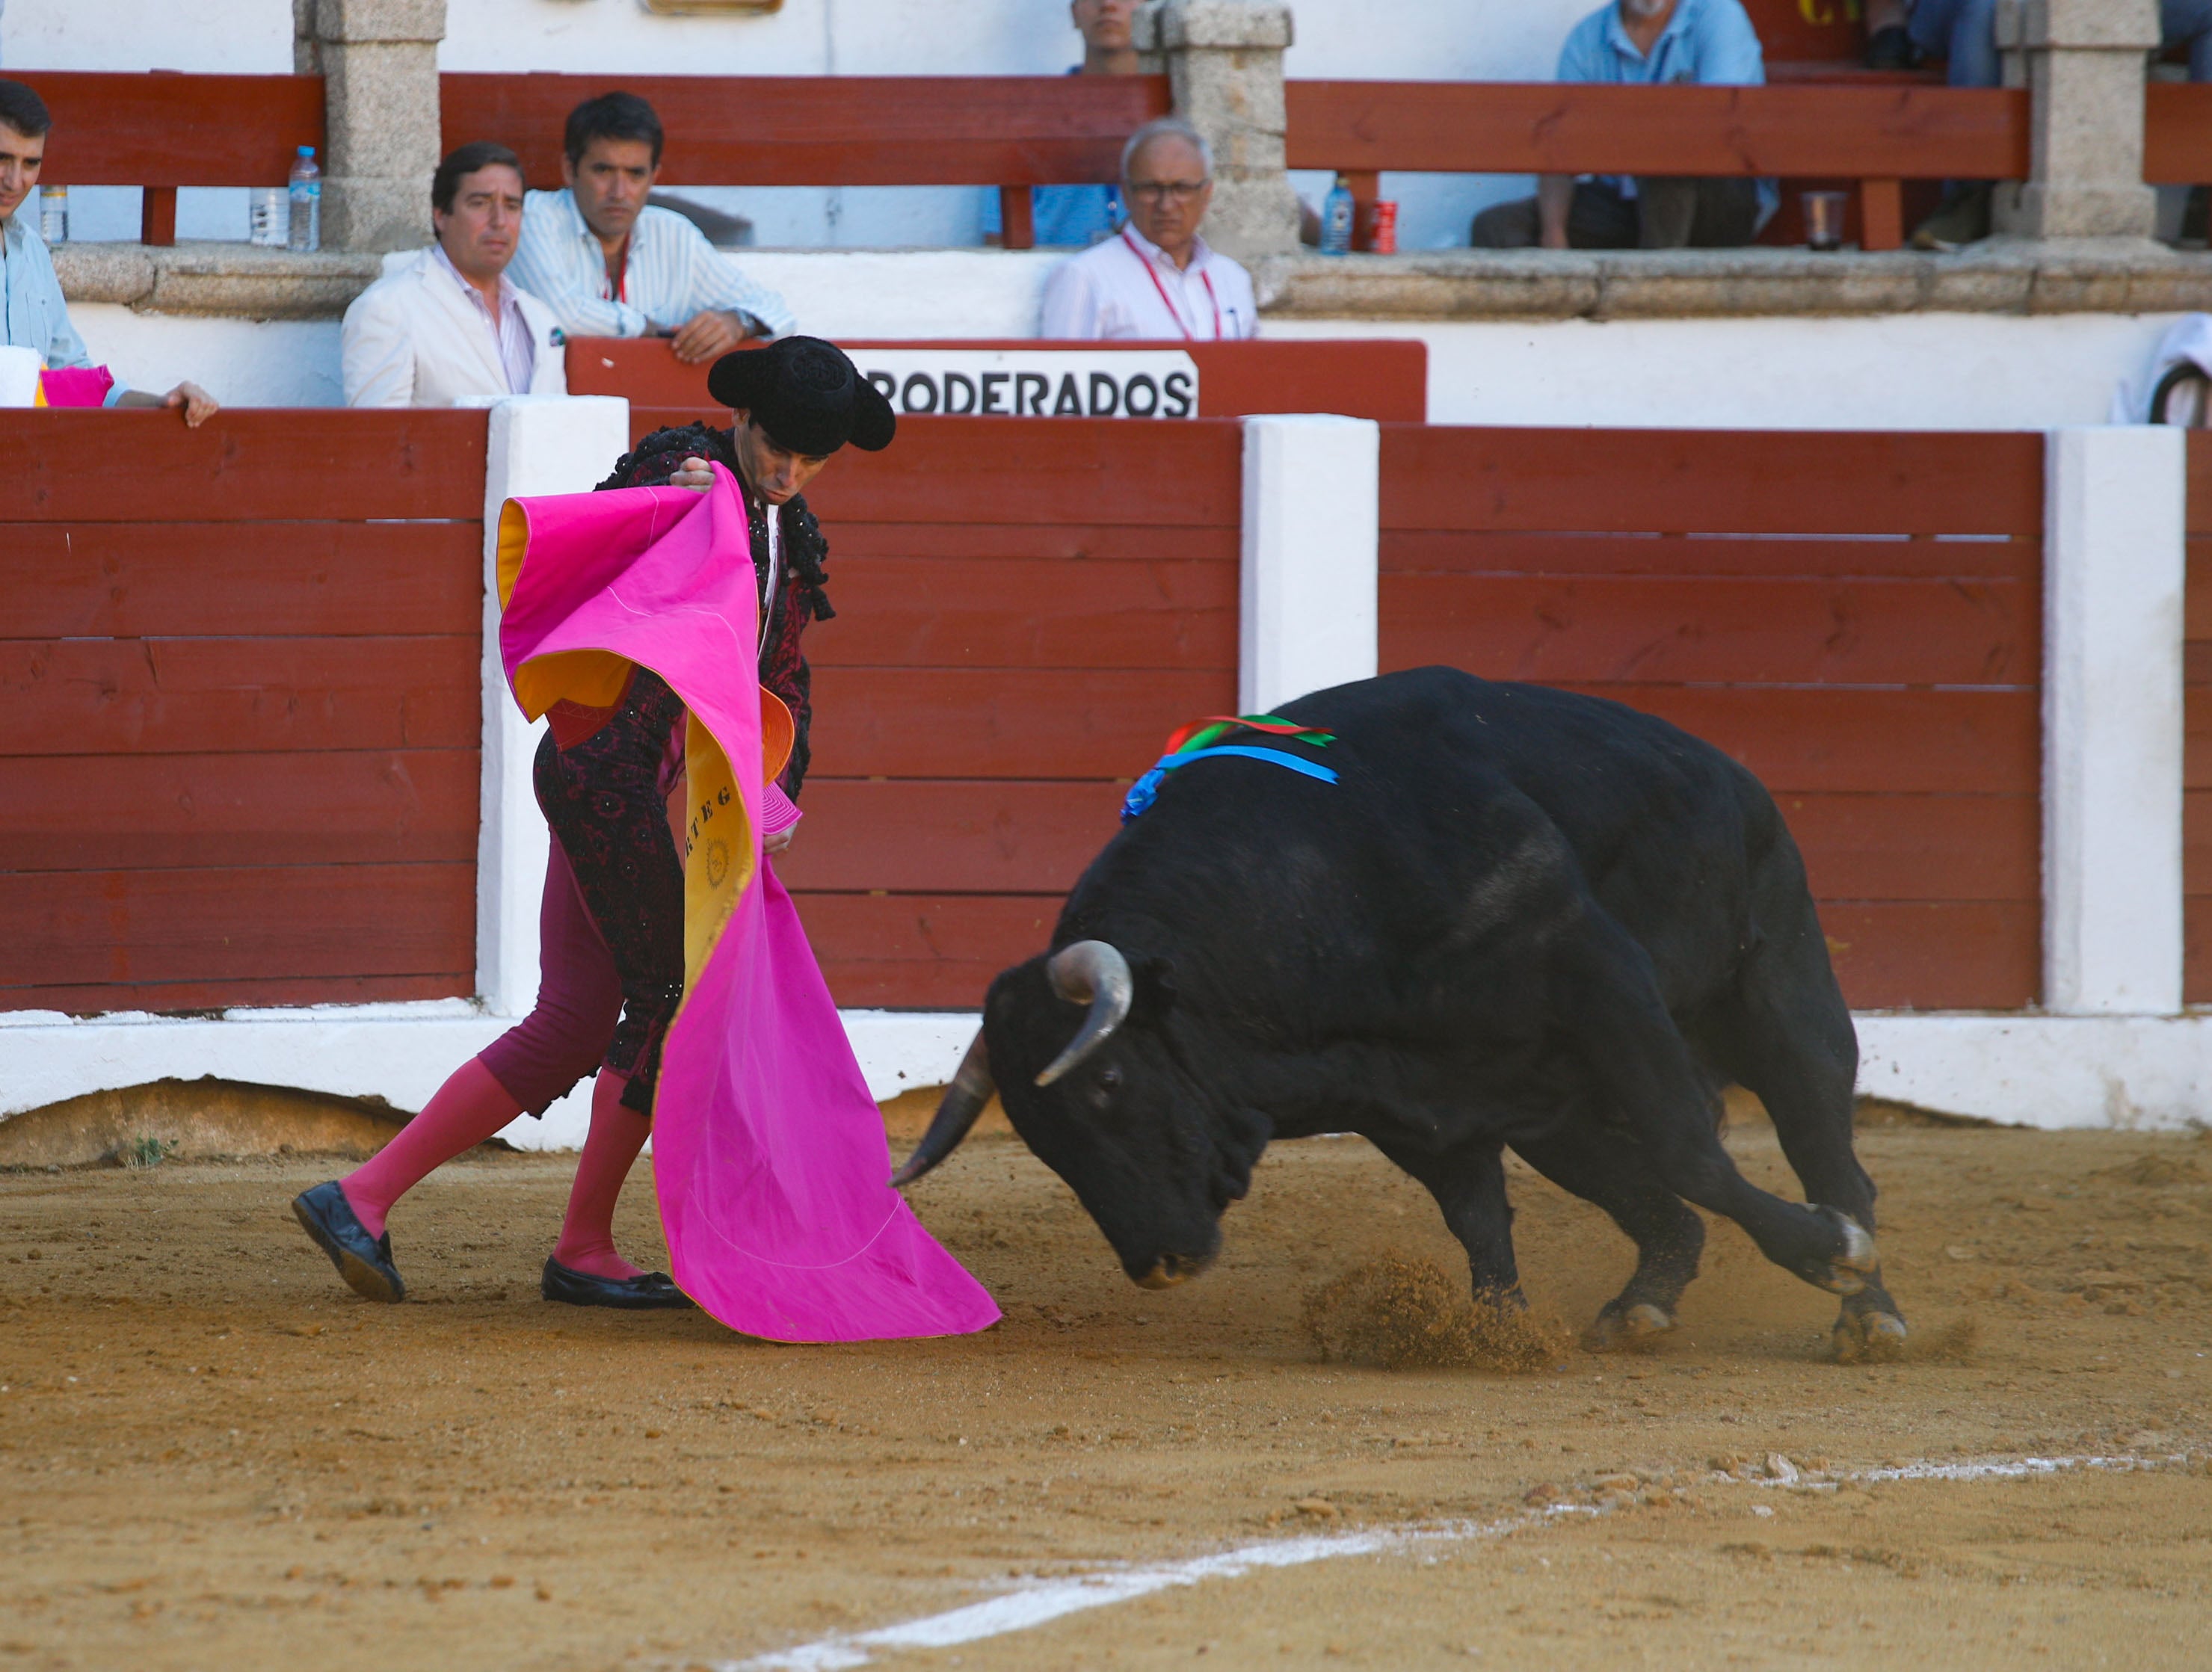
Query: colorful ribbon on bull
x=1198 y=741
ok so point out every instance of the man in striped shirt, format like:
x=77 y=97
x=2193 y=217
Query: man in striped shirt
x=608 y=265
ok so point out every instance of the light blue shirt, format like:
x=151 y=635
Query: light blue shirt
x=672 y=274
x=1708 y=42
x=1073 y=216
x=33 y=314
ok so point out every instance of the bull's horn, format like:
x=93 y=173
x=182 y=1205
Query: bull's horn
x=1090 y=972
x=956 y=1110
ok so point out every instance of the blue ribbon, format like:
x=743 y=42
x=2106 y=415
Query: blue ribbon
x=1146 y=789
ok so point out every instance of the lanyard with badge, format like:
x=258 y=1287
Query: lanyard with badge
x=1174 y=313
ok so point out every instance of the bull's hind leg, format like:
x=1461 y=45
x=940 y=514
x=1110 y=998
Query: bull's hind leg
x=1469 y=1182
x=1787 y=1037
x=1612 y=1173
x=1607 y=998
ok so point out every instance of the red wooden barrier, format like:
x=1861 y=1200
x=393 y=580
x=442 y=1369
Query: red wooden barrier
x=2177 y=133
x=2197 y=698
x=165 y=130
x=244 y=690
x=1026 y=608
x=1012 y=131
x=1856 y=617
x=1879 y=134
x=1367 y=379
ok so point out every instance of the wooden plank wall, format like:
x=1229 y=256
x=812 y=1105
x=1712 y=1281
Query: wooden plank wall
x=830 y=130
x=1026 y=608
x=1854 y=617
x=241 y=682
x=2197 y=710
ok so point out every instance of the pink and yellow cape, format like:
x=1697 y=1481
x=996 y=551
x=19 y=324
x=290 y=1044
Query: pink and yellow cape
x=768 y=1152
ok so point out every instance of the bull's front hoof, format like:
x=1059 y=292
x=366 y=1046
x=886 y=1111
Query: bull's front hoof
x=1171 y=1269
x=1627 y=1329
x=1847 y=1271
x=1868 y=1337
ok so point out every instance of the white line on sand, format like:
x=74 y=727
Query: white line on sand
x=1038 y=1602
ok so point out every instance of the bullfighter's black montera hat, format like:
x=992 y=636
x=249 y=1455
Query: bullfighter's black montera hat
x=806 y=394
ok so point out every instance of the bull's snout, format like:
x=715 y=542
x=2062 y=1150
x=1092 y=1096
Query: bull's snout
x=1171 y=1269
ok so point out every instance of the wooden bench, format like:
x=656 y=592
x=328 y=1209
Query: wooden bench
x=1012 y=131
x=1878 y=135
x=165 y=129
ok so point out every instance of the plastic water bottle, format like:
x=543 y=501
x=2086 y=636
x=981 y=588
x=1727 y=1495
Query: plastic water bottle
x=53 y=214
x=1336 y=220
x=307 y=195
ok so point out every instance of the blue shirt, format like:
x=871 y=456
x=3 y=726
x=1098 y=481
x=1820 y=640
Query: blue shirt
x=33 y=314
x=1062 y=216
x=1708 y=42
x=1079 y=216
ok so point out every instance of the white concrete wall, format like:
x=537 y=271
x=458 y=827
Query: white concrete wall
x=1913 y=371
x=1934 y=371
x=2114 y=567
x=1307 y=597
x=242 y=363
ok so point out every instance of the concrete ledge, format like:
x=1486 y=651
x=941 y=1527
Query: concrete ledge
x=232 y=281
x=2013 y=276
x=2131 y=1073
x=2139 y=1074
x=399 y=1053
x=1997 y=277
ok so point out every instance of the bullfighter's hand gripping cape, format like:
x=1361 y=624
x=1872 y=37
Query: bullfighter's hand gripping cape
x=768 y=1154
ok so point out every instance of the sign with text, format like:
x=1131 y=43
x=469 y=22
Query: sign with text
x=1034 y=383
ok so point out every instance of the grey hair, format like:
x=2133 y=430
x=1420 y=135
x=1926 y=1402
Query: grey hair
x=1167 y=127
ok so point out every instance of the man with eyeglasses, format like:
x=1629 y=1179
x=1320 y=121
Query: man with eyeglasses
x=1156 y=279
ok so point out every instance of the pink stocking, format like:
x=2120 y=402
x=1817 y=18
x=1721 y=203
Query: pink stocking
x=587 y=1231
x=469 y=1108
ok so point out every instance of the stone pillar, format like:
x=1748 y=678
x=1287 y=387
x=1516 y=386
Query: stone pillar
x=1225 y=62
x=379 y=61
x=2084 y=63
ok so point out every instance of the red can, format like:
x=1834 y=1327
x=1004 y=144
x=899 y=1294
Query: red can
x=1383 y=234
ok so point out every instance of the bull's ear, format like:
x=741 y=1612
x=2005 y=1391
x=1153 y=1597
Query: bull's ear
x=1155 y=990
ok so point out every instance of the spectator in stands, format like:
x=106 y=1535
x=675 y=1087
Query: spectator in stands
x=33 y=314
x=447 y=327
x=1156 y=277
x=1963 y=34
x=1710 y=42
x=1081 y=215
x=608 y=263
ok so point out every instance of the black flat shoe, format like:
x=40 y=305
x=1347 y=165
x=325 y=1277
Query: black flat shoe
x=363 y=1261
x=632 y=1294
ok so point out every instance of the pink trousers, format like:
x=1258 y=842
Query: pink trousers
x=580 y=999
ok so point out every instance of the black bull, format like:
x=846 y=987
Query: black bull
x=1521 y=917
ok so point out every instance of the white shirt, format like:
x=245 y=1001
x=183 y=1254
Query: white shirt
x=1128 y=287
x=421 y=336
x=669 y=274
x=509 y=329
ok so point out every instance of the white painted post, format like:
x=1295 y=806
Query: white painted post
x=2113 y=568
x=1312 y=504
x=538 y=444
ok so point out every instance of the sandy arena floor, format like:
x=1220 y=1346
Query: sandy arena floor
x=212 y=1455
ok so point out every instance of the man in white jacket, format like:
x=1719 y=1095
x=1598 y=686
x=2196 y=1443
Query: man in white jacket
x=447 y=326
